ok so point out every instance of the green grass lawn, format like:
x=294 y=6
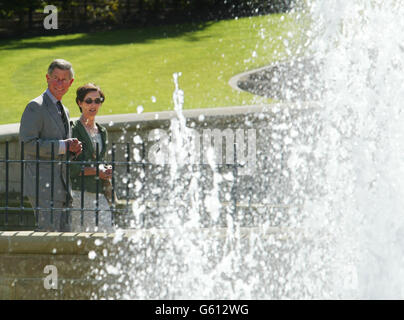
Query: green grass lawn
x=135 y=67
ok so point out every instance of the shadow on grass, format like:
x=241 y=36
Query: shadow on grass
x=110 y=38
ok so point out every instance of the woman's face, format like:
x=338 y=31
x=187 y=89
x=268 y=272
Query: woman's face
x=89 y=105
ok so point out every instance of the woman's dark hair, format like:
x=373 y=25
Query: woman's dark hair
x=83 y=90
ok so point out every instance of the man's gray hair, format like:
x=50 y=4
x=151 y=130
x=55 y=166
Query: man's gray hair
x=61 y=64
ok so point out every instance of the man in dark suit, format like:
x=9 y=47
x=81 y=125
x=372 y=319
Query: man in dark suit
x=46 y=121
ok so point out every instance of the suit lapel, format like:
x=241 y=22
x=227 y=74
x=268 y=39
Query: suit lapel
x=51 y=108
x=69 y=125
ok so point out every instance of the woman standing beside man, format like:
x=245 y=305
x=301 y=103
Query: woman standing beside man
x=89 y=98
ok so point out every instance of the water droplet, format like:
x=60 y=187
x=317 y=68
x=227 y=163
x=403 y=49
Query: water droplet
x=92 y=255
x=228 y=176
x=136 y=155
x=118 y=236
x=137 y=140
x=294 y=133
x=287 y=140
x=138 y=185
x=112 y=270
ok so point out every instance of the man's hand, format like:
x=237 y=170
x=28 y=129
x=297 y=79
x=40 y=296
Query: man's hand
x=74 y=145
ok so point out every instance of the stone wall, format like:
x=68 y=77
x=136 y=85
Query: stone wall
x=25 y=255
x=110 y=266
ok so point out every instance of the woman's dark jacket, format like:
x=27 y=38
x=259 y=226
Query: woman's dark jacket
x=88 y=154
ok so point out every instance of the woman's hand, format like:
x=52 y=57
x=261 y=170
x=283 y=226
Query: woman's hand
x=105 y=172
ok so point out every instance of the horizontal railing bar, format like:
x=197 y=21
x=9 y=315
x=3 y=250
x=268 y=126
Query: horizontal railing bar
x=54 y=161
x=117 y=163
x=54 y=209
x=160 y=203
x=104 y=162
x=226 y=203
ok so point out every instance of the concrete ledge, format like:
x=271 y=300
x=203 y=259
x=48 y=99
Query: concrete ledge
x=29 y=242
x=57 y=243
x=9 y=132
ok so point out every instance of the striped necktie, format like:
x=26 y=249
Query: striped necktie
x=63 y=115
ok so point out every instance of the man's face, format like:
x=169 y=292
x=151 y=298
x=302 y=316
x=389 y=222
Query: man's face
x=59 y=82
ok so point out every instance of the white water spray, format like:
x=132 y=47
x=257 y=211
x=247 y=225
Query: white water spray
x=360 y=50
x=337 y=169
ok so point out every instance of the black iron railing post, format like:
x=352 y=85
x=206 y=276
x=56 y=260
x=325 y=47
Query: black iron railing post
x=67 y=182
x=82 y=196
x=202 y=169
x=52 y=191
x=20 y=219
x=37 y=185
x=127 y=175
x=97 y=184
x=7 y=168
x=113 y=184
x=143 y=179
x=235 y=177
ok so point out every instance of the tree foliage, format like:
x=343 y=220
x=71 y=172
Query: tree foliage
x=26 y=15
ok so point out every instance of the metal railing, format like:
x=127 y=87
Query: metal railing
x=117 y=207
